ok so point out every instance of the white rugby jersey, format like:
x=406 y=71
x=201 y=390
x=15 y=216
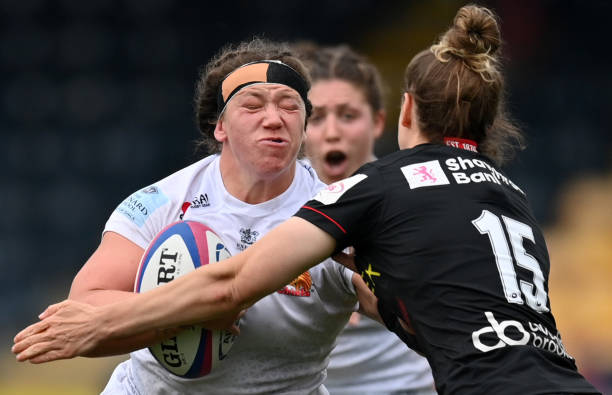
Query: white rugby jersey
x=286 y=337
x=369 y=359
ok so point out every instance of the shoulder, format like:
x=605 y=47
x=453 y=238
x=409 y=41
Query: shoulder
x=146 y=211
x=174 y=186
x=187 y=175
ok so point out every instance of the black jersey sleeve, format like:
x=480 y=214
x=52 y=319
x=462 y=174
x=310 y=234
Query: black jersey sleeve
x=347 y=209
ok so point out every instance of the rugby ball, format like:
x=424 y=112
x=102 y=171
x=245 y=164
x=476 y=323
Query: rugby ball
x=178 y=249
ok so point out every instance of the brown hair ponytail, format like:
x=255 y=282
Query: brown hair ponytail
x=459 y=88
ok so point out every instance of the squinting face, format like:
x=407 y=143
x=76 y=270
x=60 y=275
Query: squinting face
x=341 y=130
x=262 y=129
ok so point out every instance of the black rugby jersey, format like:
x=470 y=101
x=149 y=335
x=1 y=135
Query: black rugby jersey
x=449 y=244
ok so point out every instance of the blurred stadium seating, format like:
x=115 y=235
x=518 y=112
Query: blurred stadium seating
x=96 y=102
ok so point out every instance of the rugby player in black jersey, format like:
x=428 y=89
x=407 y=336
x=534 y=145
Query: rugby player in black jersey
x=444 y=239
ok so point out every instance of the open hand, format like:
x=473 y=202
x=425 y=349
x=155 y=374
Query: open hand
x=65 y=330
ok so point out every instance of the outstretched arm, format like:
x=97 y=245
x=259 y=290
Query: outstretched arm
x=208 y=293
x=108 y=277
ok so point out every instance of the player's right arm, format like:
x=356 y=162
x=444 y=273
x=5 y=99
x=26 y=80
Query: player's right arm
x=108 y=277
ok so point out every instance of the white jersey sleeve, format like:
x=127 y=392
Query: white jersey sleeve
x=143 y=214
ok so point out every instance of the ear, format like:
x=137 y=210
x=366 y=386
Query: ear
x=407 y=105
x=379 y=123
x=219 y=132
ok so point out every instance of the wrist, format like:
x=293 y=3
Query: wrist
x=107 y=326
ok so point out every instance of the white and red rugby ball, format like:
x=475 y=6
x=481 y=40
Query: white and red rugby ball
x=178 y=249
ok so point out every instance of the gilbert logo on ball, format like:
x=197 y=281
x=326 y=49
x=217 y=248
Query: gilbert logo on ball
x=178 y=249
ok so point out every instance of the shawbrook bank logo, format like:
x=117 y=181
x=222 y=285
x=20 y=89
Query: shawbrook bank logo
x=512 y=333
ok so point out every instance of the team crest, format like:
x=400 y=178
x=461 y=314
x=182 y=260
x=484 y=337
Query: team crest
x=424 y=174
x=248 y=236
x=299 y=287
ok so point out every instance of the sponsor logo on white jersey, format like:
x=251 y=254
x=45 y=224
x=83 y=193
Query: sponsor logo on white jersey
x=424 y=174
x=140 y=205
x=513 y=333
x=196 y=202
x=200 y=201
x=334 y=191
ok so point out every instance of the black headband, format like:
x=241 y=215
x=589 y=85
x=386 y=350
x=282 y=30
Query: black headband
x=263 y=71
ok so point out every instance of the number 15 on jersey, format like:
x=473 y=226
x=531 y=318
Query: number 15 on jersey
x=534 y=293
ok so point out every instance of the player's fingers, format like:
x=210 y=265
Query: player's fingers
x=39 y=326
x=33 y=351
x=48 y=356
x=234 y=329
x=345 y=260
x=355 y=318
x=30 y=330
x=19 y=347
x=42 y=338
x=50 y=310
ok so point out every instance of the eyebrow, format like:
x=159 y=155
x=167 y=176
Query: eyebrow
x=341 y=106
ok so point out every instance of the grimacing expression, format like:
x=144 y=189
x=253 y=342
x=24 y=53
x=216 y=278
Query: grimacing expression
x=262 y=127
x=341 y=131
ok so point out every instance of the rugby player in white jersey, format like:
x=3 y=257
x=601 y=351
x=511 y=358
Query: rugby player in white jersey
x=251 y=106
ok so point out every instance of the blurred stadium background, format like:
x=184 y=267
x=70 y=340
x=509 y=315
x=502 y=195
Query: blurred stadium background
x=95 y=102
